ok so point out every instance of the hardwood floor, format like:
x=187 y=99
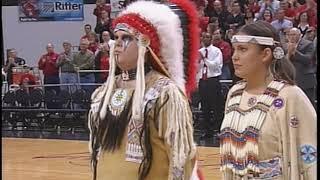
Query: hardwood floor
x=48 y=159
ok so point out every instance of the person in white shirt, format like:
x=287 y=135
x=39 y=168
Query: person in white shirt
x=210 y=68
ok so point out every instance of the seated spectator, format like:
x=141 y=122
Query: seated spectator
x=101 y=5
x=65 y=63
x=272 y=5
x=12 y=61
x=102 y=63
x=225 y=48
x=103 y=24
x=26 y=80
x=84 y=60
x=303 y=24
x=267 y=16
x=280 y=24
x=236 y=19
x=289 y=12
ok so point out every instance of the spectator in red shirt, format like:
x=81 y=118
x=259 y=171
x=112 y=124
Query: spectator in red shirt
x=101 y=5
x=225 y=48
x=253 y=6
x=102 y=63
x=47 y=63
x=311 y=8
x=93 y=44
x=27 y=79
x=87 y=30
x=289 y=12
x=203 y=20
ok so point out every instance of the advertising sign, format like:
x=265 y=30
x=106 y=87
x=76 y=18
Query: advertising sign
x=50 y=10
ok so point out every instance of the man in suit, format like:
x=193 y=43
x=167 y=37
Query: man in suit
x=300 y=52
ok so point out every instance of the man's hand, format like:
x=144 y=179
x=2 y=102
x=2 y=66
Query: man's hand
x=11 y=60
x=43 y=59
x=291 y=49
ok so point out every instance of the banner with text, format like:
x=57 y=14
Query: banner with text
x=50 y=10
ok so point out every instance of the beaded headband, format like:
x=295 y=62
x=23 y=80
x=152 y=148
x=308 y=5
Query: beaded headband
x=278 y=52
x=253 y=39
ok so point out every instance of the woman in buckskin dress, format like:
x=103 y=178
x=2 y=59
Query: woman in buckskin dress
x=269 y=129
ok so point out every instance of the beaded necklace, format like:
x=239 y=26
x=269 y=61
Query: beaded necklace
x=240 y=130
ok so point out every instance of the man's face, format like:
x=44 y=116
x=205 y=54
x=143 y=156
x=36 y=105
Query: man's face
x=66 y=47
x=217 y=35
x=105 y=36
x=12 y=54
x=236 y=7
x=50 y=48
x=207 y=39
x=280 y=14
x=87 y=29
x=104 y=15
x=84 y=46
x=217 y=6
x=293 y=36
x=284 y=4
x=125 y=50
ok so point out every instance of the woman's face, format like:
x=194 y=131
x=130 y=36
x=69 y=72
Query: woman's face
x=304 y=17
x=267 y=15
x=125 y=50
x=249 y=59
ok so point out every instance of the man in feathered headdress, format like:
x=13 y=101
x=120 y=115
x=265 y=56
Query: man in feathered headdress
x=140 y=120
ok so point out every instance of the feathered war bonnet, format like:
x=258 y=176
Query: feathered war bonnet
x=170 y=32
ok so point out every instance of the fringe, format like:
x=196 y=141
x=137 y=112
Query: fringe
x=179 y=132
x=137 y=106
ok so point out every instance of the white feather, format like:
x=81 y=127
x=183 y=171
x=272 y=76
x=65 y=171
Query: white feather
x=167 y=24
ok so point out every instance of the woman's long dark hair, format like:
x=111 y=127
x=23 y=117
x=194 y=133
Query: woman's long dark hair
x=281 y=69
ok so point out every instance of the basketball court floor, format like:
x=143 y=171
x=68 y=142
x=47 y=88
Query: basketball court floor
x=59 y=159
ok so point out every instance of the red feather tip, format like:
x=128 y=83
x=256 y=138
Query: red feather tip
x=194 y=42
